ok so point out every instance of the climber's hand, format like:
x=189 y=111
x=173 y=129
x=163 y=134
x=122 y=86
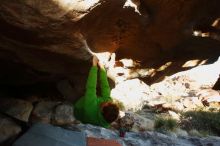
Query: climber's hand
x=95 y=61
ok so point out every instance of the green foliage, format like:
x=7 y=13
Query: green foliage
x=202 y=121
x=159 y=123
x=165 y=124
x=205 y=133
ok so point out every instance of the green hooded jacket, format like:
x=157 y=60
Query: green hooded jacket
x=87 y=108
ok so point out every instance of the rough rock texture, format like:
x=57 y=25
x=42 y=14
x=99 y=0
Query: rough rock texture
x=147 y=138
x=186 y=89
x=17 y=108
x=136 y=123
x=43 y=112
x=201 y=77
x=39 y=40
x=64 y=114
x=132 y=93
x=181 y=91
x=8 y=129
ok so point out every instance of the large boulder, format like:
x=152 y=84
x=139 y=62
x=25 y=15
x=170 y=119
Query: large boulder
x=43 y=111
x=133 y=94
x=17 y=108
x=147 y=138
x=64 y=114
x=40 y=39
x=183 y=83
x=9 y=130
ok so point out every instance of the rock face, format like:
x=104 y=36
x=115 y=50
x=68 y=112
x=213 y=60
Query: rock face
x=16 y=108
x=43 y=111
x=39 y=39
x=186 y=90
x=201 y=77
x=8 y=129
x=64 y=114
x=135 y=123
x=132 y=93
x=146 y=138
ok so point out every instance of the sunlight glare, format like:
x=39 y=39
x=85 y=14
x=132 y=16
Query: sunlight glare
x=163 y=67
x=192 y=63
x=134 y=4
x=78 y=4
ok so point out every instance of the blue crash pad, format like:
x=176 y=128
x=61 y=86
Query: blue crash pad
x=48 y=135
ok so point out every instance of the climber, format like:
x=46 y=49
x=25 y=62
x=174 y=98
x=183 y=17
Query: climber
x=92 y=109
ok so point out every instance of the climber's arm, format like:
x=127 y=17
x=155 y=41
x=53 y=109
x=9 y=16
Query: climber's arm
x=91 y=82
x=90 y=94
x=105 y=88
